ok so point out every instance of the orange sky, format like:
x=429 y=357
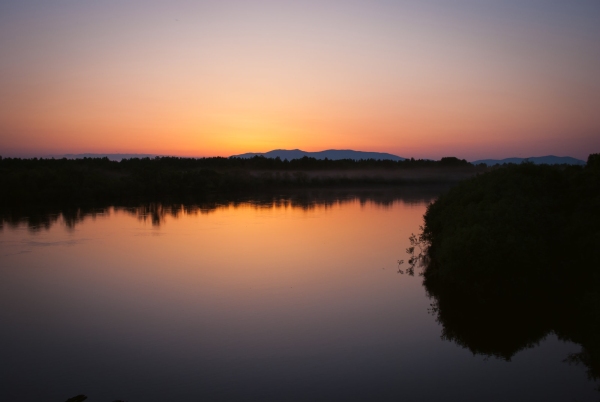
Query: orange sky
x=417 y=79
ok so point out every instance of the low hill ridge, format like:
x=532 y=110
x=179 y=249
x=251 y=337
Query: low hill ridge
x=538 y=160
x=333 y=154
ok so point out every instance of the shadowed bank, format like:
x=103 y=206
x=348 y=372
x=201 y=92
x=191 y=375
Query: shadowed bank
x=93 y=181
x=514 y=255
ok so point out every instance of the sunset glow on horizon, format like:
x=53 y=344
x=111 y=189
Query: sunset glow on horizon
x=475 y=79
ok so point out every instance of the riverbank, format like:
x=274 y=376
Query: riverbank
x=99 y=180
x=513 y=255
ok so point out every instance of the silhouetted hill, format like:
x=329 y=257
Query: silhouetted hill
x=332 y=154
x=538 y=160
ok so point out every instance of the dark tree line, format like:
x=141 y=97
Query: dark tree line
x=518 y=225
x=100 y=180
x=220 y=163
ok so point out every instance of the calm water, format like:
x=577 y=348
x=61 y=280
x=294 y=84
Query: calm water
x=291 y=299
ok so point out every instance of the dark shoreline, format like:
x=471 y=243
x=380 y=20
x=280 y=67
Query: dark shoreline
x=513 y=255
x=92 y=181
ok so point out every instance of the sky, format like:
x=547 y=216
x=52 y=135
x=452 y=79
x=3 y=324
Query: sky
x=424 y=79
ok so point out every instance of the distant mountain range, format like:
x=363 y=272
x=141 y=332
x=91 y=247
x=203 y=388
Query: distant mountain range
x=333 y=154
x=336 y=154
x=538 y=160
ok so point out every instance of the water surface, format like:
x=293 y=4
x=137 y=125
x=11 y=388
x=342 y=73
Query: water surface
x=283 y=299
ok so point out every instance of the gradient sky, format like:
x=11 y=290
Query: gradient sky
x=472 y=79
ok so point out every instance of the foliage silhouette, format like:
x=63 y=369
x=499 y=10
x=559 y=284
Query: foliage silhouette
x=513 y=255
x=93 y=180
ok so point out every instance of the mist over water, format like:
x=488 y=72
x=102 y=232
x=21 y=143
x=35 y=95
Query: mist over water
x=285 y=297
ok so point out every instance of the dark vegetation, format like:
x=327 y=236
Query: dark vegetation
x=99 y=180
x=513 y=255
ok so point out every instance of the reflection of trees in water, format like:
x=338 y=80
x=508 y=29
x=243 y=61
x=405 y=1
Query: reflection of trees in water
x=499 y=327
x=503 y=326
x=40 y=218
x=496 y=320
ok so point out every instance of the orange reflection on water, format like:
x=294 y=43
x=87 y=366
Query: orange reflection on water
x=229 y=298
x=288 y=278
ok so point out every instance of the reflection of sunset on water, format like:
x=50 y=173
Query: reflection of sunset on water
x=263 y=271
x=156 y=212
x=292 y=296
